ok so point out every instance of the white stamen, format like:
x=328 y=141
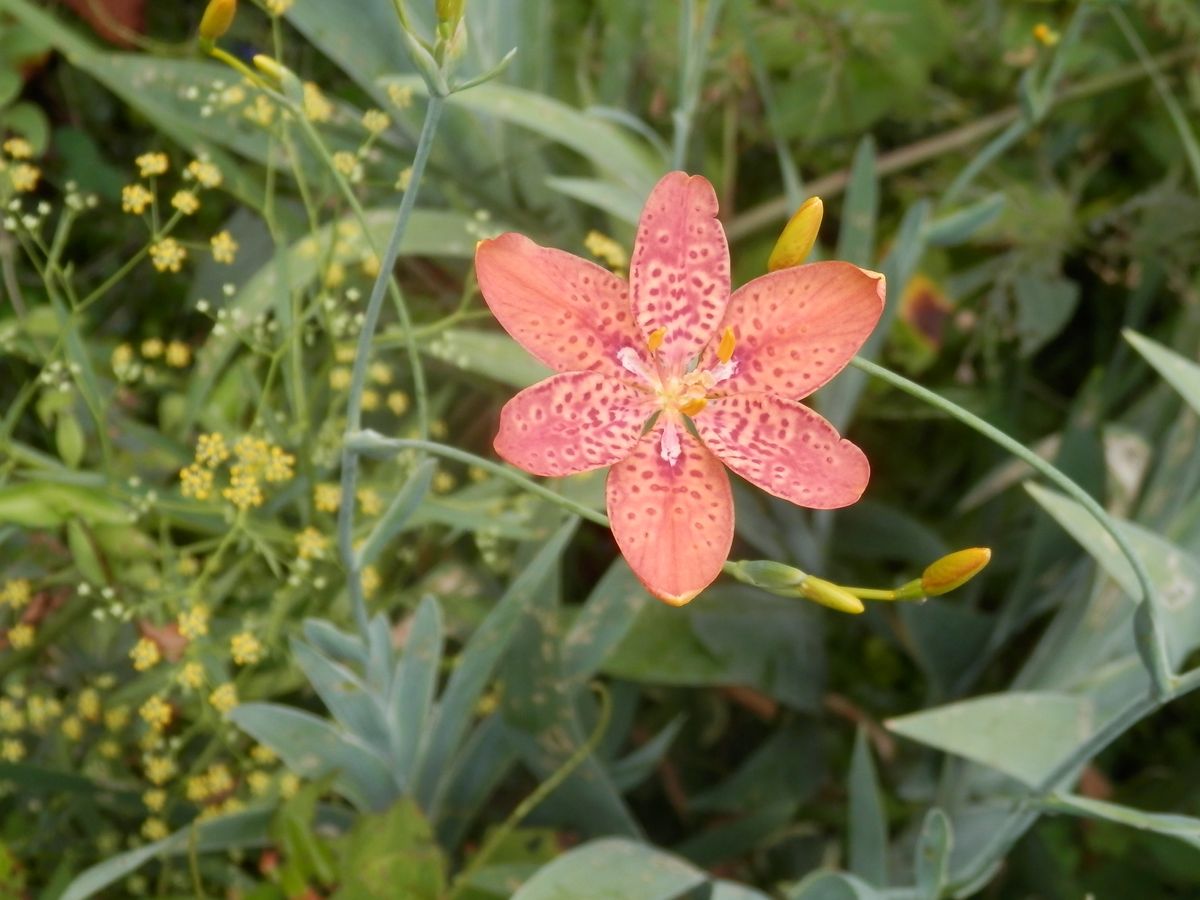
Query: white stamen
x=670 y=449
x=632 y=361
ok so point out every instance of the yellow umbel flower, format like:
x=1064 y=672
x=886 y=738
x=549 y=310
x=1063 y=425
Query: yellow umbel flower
x=327 y=497
x=186 y=202
x=245 y=649
x=211 y=450
x=193 y=623
x=145 y=654
x=135 y=198
x=168 y=255
x=205 y=173
x=24 y=177
x=376 y=121
x=224 y=248
x=152 y=164
x=224 y=698
x=316 y=107
x=311 y=544
x=18 y=148
x=156 y=712
x=20 y=636
x=196 y=481
x=178 y=355
x=16 y=593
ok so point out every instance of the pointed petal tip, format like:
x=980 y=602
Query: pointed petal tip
x=880 y=283
x=677 y=600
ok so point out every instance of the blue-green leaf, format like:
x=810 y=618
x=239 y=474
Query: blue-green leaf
x=413 y=685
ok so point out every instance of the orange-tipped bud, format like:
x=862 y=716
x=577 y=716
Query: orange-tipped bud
x=829 y=594
x=798 y=237
x=954 y=570
x=218 y=16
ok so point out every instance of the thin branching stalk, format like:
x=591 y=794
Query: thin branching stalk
x=358 y=377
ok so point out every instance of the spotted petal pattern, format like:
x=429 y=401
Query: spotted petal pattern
x=572 y=423
x=673 y=522
x=679 y=271
x=797 y=328
x=784 y=448
x=568 y=312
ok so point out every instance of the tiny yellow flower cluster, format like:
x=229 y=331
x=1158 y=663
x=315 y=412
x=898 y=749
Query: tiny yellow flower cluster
x=151 y=165
x=21 y=636
x=145 y=654
x=168 y=255
x=186 y=202
x=327 y=497
x=376 y=121
x=311 y=544
x=195 y=623
x=401 y=96
x=204 y=173
x=224 y=698
x=245 y=649
x=224 y=248
x=157 y=713
x=255 y=461
x=279 y=7
x=316 y=107
x=16 y=593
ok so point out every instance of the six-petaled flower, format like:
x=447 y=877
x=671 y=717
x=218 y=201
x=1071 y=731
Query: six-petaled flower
x=668 y=376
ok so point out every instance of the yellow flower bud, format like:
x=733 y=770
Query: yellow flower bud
x=218 y=16
x=954 y=570
x=450 y=11
x=829 y=594
x=798 y=237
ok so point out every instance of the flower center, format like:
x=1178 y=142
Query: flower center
x=684 y=392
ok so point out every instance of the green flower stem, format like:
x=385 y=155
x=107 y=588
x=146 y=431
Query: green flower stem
x=543 y=790
x=358 y=377
x=1152 y=655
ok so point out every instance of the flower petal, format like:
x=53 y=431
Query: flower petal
x=784 y=448
x=672 y=521
x=797 y=328
x=679 y=271
x=572 y=423
x=568 y=312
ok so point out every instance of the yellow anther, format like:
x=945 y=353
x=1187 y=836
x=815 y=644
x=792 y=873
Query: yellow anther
x=725 y=348
x=693 y=406
x=656 y=338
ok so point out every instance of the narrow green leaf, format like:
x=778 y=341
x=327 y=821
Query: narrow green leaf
x=240 y=830
x=312 y=747
x=477 y=662
x=379 y=654
x=856 y=239
x=868 y=824
x=606 y=868
x=622 y=203
x=630 y=771
x=344 y=695
x=1181 y=373
x=403 y=505
x=1024 y=734
x=413 y=686
x=833 y=886
x=1174 y=572
x=606 y=617
x=604 y=145
x=345 y=648
x=1185 y=828
x=961 y=225
x=931 y=858
x=485 y=760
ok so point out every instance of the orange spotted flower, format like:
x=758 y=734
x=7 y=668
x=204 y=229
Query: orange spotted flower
x=669 y=376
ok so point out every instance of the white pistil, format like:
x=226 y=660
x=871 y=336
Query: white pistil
x=670 y=449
